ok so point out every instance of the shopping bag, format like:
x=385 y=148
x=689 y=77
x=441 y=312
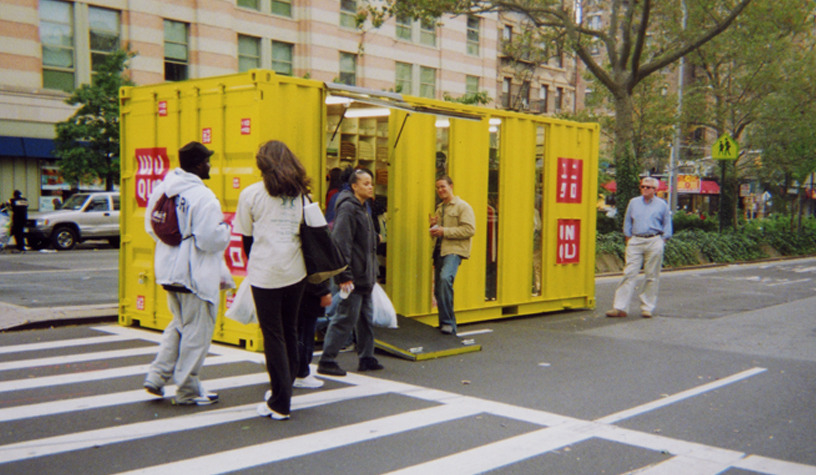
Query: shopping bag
x=384 y=314
x=321 y=255
x=242 y=309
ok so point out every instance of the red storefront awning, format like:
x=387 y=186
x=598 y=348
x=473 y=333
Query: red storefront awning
x=707 y=187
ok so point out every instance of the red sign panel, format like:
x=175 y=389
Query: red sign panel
x=162 y=108
x=569 y=241
x=246 y=126
x=206 y=135
x=236 y=182
x=152 y=164
x=570 y=180
x=140 y=302
x=236 y=259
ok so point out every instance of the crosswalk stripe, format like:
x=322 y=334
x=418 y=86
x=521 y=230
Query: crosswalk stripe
x=76 y=358
x=115 y=399
x=130 y=432
x=49 y=345
x=328 y=439
x=682 y=465
x=757 y=463
x=97 y=375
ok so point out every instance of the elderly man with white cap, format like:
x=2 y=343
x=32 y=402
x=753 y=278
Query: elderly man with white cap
x=647 y=225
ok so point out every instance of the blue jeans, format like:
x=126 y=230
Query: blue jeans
x=354 y=314
x=445 y=269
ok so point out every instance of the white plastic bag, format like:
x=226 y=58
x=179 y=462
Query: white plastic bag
x=242 y=309
x=384 y=314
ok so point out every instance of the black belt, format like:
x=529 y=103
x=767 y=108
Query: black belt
x=648 y=235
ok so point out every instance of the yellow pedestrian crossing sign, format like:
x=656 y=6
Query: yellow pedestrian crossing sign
x=725 y=148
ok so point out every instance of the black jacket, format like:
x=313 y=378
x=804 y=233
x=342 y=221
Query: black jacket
x=354 y=235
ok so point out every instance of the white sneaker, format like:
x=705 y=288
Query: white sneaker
x=264 y=411
x=309 y=382
x=203 y=400
x=267 y=394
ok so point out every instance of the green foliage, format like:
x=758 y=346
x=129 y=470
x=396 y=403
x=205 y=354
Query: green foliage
x=682 y=220
x=694 y=246
x=477 y=98
x=605 y=224
x=87 y=143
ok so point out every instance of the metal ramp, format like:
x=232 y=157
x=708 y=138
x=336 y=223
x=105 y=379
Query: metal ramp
x=417 y=341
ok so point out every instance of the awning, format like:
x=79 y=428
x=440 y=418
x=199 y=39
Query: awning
x=26 y=147
x=612 y=186
x=707 y=187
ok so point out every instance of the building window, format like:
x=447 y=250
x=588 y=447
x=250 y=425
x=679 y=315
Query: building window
x=558 y=59
x=471 y=84
x=404 y=28
x=57 y=36
x=507 y=84
x=176 y=50
x=282 y=58
x=559 y=98
x=103 y=34
x=249 y=53
x=404 y=77
x=427 y=33
x=252 y=4
x=348 y=13
x=543 y=98
x=524 y=95
x=348 y=69
x=473 y=35
x=507 y=34
x=427 y=82
x=282 y=7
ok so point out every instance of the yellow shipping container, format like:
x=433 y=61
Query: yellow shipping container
x=531 y=181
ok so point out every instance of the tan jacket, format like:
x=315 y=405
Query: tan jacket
x=459 y=225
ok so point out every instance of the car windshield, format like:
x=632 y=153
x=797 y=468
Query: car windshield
x=75 y=202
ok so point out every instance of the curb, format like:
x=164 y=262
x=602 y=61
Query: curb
x=13 y=317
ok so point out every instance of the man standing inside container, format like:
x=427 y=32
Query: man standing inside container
x=646 y=226
x=192 y=273
x=453 y=225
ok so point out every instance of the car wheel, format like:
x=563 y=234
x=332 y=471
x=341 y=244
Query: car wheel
x=114 y=242
x=64 y=238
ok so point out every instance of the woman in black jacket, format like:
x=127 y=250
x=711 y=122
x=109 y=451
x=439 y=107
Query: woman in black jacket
x=355 y=236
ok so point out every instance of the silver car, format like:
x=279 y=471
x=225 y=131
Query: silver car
x=83 y=216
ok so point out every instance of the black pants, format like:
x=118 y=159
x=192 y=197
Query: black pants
x=17 y=232
x=277 y=316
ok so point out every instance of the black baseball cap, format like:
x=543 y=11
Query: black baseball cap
x=192 y=154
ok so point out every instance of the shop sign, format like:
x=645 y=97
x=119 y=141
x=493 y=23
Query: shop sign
x=569 y=241
x=688 y=184
x=569 y=183
x=152 y=164
x=234 y=254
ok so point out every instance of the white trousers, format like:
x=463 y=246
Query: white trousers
x=646 y=253
x=185 y=343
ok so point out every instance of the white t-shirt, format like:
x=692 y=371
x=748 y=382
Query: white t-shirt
x=276 y=259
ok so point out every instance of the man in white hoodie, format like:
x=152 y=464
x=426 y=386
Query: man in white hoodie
x=192 y=274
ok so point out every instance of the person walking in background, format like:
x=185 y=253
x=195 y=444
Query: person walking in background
x=192 y=273
x=647 y=225
x=316 y=298
x=19 y=216
x=355 y=237
x=335 y=180
x=453 y=225
x=268 y=217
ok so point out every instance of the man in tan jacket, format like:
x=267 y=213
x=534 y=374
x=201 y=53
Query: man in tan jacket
x=453 y=225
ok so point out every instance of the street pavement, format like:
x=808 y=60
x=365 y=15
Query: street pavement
x=721 y=381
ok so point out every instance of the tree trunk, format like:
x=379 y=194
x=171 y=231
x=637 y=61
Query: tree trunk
x=627 y=169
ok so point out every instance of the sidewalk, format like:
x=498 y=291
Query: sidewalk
x=13 y=317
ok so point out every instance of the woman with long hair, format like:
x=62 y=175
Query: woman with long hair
x=268 y=217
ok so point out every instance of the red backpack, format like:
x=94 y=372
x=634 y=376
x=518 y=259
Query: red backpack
x=164 y=221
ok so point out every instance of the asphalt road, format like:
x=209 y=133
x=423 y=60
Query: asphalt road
x=723 y=380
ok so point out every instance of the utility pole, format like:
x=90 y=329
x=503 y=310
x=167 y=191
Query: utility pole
x=675 y=153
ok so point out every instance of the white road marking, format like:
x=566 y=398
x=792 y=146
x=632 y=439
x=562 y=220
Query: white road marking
x=46 y=345
x=77 y=358
x=619 y=416
x=761 y=464
x=474 y=332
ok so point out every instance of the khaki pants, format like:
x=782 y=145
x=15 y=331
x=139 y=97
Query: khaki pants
x=646 y=253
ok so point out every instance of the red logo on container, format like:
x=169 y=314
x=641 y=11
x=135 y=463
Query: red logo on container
x=569 y=241
x=140 y=302
x=236 y=259
x=570 y=181
x=236 y=182
x=246 y=126
x=206 y=135
x=152 y=164
x=162 y=108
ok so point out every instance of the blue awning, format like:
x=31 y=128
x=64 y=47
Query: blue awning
x=26 y=147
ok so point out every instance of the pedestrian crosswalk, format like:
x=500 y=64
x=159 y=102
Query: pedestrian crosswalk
x=99 y=420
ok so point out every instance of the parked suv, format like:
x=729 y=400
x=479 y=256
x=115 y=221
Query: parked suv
x=83 y=216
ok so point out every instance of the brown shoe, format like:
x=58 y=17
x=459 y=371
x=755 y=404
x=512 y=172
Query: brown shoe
x=646 y=314
x=615 y=313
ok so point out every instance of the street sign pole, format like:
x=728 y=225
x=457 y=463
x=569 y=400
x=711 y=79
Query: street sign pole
x=725 y=148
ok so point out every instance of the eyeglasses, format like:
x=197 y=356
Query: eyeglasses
x=646 y=187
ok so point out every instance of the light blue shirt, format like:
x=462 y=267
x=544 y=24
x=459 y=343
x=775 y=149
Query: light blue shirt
x=644 y=218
